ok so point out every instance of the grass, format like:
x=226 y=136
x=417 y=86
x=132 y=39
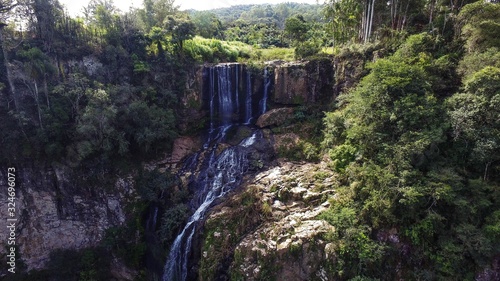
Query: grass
x=286 y=54
x=214 y=50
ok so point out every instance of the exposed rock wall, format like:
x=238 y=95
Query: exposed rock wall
x=190 y=113
x=348 y=71
x=270 y=231
x=54 y=211
x=307 y=82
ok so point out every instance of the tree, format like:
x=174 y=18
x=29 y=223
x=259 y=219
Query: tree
x=343 y=17
x=479 y=24
x=5 y=7
x=155 y=12
x=96 y=128
x=157 y=36
x=46 y=13
x=305 y=42
x=208 y=25
x=10 y=80
x=393 y=116
x=94 y=16
x=181 y=28
x=149 y=126
x=296 y=28
x=37 y=67
x=74 y=90
x=474 y=116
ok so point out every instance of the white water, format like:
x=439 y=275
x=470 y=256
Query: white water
x=219 y=174
x=248 y=100
x=229 y=167
x=267 y=83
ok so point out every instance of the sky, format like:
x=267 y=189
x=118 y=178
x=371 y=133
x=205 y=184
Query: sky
x=75 y=6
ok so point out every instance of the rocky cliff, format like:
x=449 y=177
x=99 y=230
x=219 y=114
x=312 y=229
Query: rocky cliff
x=270 y=230
x=56 y=209
x=268 y=220
x=308 y=82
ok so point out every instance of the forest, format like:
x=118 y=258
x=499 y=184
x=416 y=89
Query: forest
x=413 y=145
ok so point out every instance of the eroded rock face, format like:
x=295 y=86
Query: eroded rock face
x=190 y=114
x=271 y=230
x=182 y=147
x=308 y=82
x=54 y=212
x=275 y=117
x=348 y=72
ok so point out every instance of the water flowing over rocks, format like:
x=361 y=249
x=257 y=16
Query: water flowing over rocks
x=219 y=167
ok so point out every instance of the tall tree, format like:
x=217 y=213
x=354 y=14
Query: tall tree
x=208 y=24
x=181 y=28
x=91 y=12
x=155 y=12
x=474 y=115
x=5 y=7
x=343 y=17
x=37 y=66
x=46 y=13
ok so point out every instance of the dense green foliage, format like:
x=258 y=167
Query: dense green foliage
x=108 y=107
x=257 y=25
x=415 y=143
x=418 y=162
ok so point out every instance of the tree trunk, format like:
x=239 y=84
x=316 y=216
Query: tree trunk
x=37 y=99
x=403 y=22
x=46 y=90
x=7 y=68
x=485 y=177
x=431 y=15
x=370 y=24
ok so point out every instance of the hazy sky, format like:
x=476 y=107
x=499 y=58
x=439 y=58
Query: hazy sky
x=75 y=6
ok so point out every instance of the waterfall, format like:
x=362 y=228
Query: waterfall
x=237 y=88
x=248 y=100
x=228 y=169
x=219 y=173
x=267 y=84
x=226 y=105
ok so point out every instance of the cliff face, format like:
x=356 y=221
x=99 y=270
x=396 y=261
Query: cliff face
x=270 y=230
x=308 y=82
x=54 y=211
x=57 y=209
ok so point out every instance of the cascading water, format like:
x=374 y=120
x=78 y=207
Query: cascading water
x=248 y=100
x=267 y=84
x=220 y=173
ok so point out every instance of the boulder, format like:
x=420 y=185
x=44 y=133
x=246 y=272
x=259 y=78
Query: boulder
x=275 y=117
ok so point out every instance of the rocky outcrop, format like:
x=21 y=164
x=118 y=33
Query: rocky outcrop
x=270 y=231
x=191 y=115
x=182 y=147
x=307 y=82
x=349 y=68
x=275 y=117
x=55 y=211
